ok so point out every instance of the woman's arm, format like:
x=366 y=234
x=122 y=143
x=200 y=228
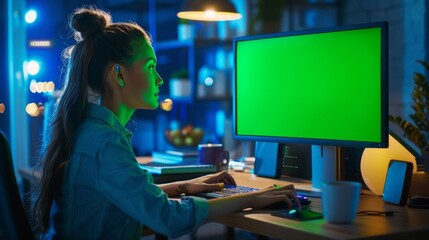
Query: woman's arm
x=175 y=189
x=207 y=183
x=235 y=203
x=255 y=200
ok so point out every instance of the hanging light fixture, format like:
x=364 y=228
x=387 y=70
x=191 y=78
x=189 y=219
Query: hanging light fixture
x=208 y=10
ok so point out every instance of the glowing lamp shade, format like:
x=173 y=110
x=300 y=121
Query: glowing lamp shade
x=33 y=67
x=374 y=163
x=30 y=16
x=208 y=10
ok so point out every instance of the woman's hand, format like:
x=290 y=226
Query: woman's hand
x=207 y=183
x=256 y=200
x=273 y=194
x=220 y=177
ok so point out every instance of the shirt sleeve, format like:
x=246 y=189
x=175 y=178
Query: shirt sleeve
x=132 y=189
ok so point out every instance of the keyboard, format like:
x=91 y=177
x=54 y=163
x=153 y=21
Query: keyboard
x=231 y=190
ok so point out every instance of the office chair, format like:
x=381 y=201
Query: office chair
x=14 y=223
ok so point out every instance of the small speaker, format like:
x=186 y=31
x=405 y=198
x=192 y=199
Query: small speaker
x=267 y=161
x=375 y=161
x=398 y=180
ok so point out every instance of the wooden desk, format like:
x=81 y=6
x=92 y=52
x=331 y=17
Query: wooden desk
x=409 y=223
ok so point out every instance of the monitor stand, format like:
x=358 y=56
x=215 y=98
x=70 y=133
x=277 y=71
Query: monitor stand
x=325 y=164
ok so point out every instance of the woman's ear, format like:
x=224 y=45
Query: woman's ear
x=118 y=75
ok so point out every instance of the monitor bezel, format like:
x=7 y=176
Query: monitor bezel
x=383 y=143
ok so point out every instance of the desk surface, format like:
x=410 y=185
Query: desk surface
x=408 y=223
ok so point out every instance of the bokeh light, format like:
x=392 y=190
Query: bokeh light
x=2 y=108
x=32 y=109
x=42 y=87
x=33 y=67
x=33 y=86
x=31 y=16
x=208 y=81
x=50 y=87
x=39 y=87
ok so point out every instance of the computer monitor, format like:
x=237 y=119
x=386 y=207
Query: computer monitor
x=324 y=87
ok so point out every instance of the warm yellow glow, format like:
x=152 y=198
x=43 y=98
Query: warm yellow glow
x=2 y=108
x=374 y=163
x=33 y=67
x=32 y=109
x=33 y=86
x=43 y=87
x=40 y=43
x=50 y=86
x=39 y=87
x=209 y=15
x=167 y=105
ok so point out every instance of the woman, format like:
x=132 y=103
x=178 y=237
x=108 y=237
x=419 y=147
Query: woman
x=92 y=186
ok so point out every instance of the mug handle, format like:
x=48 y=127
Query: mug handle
x=223 y=163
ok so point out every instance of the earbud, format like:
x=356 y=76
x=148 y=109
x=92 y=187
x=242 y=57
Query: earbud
x=119 y=76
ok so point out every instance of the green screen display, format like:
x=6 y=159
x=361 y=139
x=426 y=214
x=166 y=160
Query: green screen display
x=323 y=87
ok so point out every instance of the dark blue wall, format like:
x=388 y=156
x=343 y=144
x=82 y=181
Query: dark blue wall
x=4 y=87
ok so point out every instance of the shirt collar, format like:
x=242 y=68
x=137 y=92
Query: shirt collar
x=104 y=114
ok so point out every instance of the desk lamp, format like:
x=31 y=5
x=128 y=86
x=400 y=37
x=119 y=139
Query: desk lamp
x=374 y=163
x=208 y=10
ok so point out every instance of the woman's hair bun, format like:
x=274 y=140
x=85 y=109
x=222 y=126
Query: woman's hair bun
x=87 y=21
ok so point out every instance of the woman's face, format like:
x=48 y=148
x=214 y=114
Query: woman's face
x=142 y=81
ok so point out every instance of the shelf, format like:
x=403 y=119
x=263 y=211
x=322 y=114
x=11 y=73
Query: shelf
x=139 y=5
x=170 y=45
x=193 y=54
x=223 y=98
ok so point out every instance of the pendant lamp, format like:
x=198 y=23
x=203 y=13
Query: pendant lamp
x=208 y=10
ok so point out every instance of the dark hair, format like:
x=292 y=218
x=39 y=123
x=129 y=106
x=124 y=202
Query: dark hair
x=100 y=44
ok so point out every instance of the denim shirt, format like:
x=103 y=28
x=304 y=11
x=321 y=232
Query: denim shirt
x=106 y=195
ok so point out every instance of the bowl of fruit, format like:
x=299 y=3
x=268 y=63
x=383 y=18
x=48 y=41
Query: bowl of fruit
x=187 y=136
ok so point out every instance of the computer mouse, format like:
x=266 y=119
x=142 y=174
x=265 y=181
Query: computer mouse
x=418 y=202
x=283 y=205
x=302 y=214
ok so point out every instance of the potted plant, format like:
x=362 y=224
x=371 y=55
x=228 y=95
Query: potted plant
x=180 y=86
x=417 y=130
